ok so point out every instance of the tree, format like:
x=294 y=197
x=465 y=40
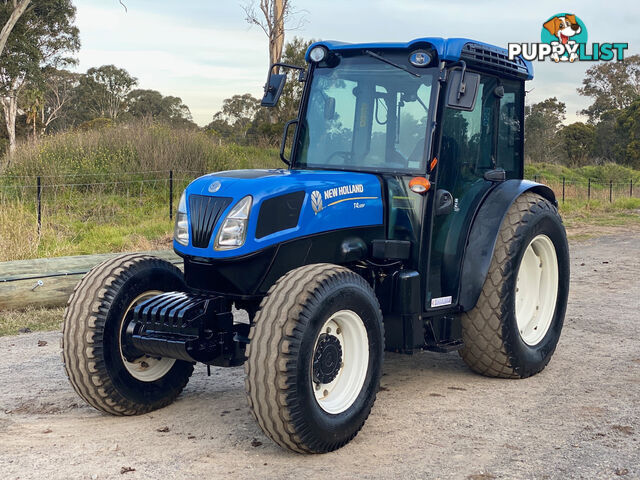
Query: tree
x=578 y=140
x=542 y=122
x=628 y=129
x=152 y=105
x=294 y=53
x=235 y=117
x=41 y=38
x=272 y=19
x=58 y=90
x=104 y=90
x=17 y=10
x=612 y=85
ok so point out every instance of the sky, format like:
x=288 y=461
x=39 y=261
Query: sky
x=204 y=51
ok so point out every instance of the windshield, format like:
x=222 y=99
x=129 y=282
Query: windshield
x=365 y=114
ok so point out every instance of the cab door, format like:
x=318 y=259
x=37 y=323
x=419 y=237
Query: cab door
x=472 y=142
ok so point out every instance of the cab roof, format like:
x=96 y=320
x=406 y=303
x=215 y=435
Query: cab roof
x=481 y=54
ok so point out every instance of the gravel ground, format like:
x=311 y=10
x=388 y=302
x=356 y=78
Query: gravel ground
x=433 y=418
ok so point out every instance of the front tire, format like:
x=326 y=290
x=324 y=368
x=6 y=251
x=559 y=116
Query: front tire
x=92 y=348
x=315 y=358
x=513 y=330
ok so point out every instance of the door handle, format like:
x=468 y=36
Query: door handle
x=444 y=202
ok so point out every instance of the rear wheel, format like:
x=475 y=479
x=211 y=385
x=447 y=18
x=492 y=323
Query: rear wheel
x=515 y=326
x=100 y=367
x=315 y=358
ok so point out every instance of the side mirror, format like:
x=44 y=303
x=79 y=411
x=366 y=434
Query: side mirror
x=273 y=89
x=463 y=88
x=329 y=108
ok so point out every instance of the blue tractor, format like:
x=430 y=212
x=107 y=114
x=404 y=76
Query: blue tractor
x=401 y=222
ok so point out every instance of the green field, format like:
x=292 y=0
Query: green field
x=93 y=203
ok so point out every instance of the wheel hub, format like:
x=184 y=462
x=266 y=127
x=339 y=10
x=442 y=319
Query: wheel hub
x=327 y=359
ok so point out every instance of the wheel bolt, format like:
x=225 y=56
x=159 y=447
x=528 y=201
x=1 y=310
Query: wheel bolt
x=328 y=329
x=338 y=331
x=144 y=364
x=317 y=386
x=325 y=393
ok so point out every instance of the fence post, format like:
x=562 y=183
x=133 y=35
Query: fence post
x=562 y=189
x=535 y=178
x=610 y=191
x=39 y=195
x=631 y=187
x=589 y=190
x=170 y=194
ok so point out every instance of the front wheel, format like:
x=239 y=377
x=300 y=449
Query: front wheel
x=96 y=359
x=315 y=358
x=515 y=326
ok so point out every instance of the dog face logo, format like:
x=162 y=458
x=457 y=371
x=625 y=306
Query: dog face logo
x=567 y=30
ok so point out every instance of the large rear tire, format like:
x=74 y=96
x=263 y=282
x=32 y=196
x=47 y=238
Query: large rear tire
x=92 y=340
x=513 y=330
x=315 y=358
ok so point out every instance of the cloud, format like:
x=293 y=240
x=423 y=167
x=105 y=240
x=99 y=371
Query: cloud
x=204 y=51
x=202 y=65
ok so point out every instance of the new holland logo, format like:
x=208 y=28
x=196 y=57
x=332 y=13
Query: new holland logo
x=335 y=195
x=564 y=39
x=215 y=186
x=316 y=201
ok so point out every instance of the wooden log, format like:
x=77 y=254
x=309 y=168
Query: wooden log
x=20 y=285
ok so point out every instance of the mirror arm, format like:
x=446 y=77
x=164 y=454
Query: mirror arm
x=463 y=67
x=285 y=65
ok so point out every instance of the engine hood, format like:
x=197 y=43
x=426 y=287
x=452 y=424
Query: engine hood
x=287 y=204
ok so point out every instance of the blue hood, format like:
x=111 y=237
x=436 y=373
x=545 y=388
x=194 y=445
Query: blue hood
x=332 y=200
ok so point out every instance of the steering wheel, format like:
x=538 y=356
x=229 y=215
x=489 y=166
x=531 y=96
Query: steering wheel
x=344 y=154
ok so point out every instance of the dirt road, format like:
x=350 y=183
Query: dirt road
x=433 y=417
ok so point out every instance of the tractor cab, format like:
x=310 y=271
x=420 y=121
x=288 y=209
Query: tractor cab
x=439 y=122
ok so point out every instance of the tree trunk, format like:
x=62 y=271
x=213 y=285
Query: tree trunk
x=18 y=10
x=276 y=33
x=10 y=107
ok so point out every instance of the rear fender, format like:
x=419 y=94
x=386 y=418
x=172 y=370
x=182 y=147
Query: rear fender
x=484 y=233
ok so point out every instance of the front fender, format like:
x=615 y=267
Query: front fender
x=484 y=233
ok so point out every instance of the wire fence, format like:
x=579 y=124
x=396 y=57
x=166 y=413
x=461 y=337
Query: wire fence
x=103 y=197
x=100 y=197
x=591 y=189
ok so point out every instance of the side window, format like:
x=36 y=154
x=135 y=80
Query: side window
x=510 y=129
x=467 y=138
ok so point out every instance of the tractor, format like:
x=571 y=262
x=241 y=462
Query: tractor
x=401 y=223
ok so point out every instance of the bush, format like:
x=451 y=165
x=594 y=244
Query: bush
x=598 y=173
x=133 y=147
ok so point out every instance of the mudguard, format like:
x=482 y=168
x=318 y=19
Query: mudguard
x=484 y=233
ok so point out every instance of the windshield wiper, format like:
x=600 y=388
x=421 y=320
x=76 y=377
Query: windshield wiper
x=393 y=64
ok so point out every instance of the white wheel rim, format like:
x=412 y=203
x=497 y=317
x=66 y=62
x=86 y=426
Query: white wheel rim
x=536 y=290
x=145 y=368
x=339 y=394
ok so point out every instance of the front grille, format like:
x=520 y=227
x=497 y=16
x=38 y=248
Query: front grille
x=205 y=212
x=494 y=59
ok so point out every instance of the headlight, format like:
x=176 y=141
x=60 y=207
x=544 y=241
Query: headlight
x=181 y=229
x=233 y=230
x=317 y=54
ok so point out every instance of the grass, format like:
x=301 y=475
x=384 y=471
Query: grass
x=599 y=174
x=134 y=214
x=107 y=217
x=587 y=219
x=35 y=319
